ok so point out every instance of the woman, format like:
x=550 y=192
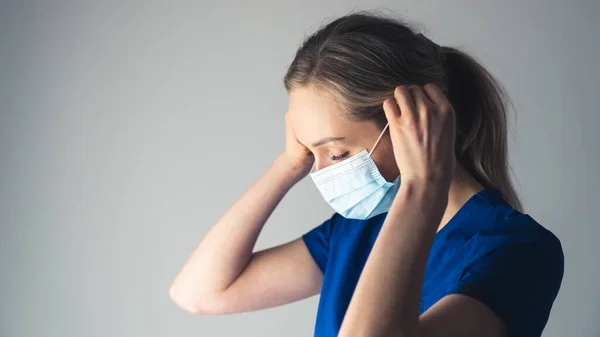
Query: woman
x=407 y=142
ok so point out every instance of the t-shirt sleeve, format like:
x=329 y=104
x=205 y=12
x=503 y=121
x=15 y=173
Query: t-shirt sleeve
x=519 y=282
x=317 y=242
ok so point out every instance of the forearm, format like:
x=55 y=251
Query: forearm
x=386 y=299
x=225 y=251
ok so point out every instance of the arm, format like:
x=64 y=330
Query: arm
x=388 y=292
x=223 y=275
x=386 y=299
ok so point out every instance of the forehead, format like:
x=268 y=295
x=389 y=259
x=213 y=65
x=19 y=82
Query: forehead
x=315 y=114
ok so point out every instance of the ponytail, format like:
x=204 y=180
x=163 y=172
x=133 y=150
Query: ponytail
x=481 y=120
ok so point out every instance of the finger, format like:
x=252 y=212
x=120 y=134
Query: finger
x=435 y=94
x=420 y=98
x=440 y=100
x=391 y=109
x=405 y=102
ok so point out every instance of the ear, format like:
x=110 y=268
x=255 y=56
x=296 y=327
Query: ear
x=384 y=159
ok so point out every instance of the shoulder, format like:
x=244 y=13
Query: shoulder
x=499 y=226
x=520 y=231
x=515 y=267
x=503 y=243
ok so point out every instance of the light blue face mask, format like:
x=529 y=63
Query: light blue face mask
x=354 y=188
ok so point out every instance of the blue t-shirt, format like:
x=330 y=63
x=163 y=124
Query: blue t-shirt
x=488 y=251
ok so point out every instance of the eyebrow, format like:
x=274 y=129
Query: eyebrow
x=328 y=140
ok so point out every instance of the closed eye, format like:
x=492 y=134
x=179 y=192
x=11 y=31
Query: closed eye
x=340 y=157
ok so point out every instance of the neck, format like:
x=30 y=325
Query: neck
x=462 y=188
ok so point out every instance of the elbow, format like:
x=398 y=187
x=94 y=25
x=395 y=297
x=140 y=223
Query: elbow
x=184 y=302
x=197 y=305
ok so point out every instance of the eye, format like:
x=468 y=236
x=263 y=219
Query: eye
x=340 y=157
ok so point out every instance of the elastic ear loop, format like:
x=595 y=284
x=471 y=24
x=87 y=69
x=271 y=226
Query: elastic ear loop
x=378 y=139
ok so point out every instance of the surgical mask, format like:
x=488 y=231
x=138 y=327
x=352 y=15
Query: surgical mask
x=355 y=188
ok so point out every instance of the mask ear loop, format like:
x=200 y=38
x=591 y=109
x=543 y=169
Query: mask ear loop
x=378 y=139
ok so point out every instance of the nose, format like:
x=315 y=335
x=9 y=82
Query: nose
x=320 y=163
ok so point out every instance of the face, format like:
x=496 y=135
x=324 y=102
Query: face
x=319 y=124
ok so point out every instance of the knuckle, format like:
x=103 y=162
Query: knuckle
x=425 y=109
x=445 y=108
x=410 y=123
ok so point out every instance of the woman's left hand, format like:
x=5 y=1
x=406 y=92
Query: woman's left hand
x=422 y=131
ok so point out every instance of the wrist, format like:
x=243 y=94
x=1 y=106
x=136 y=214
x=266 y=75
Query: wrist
x=427 y=188
x=432 y=192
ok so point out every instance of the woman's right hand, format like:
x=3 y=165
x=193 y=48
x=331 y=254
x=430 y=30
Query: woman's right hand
x=295 y=154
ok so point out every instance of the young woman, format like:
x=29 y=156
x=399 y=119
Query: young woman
x=406 y=140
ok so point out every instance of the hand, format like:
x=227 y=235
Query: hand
x=296 y=155
x=422 y=131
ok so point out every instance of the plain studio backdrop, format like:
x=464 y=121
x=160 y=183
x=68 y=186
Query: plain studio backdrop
x=127 y=129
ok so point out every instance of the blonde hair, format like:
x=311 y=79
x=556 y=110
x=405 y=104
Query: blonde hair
x=360 y=58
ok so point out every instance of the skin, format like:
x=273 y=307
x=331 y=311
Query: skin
x=224 y=275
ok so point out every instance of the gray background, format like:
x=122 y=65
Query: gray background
x=127 y=128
